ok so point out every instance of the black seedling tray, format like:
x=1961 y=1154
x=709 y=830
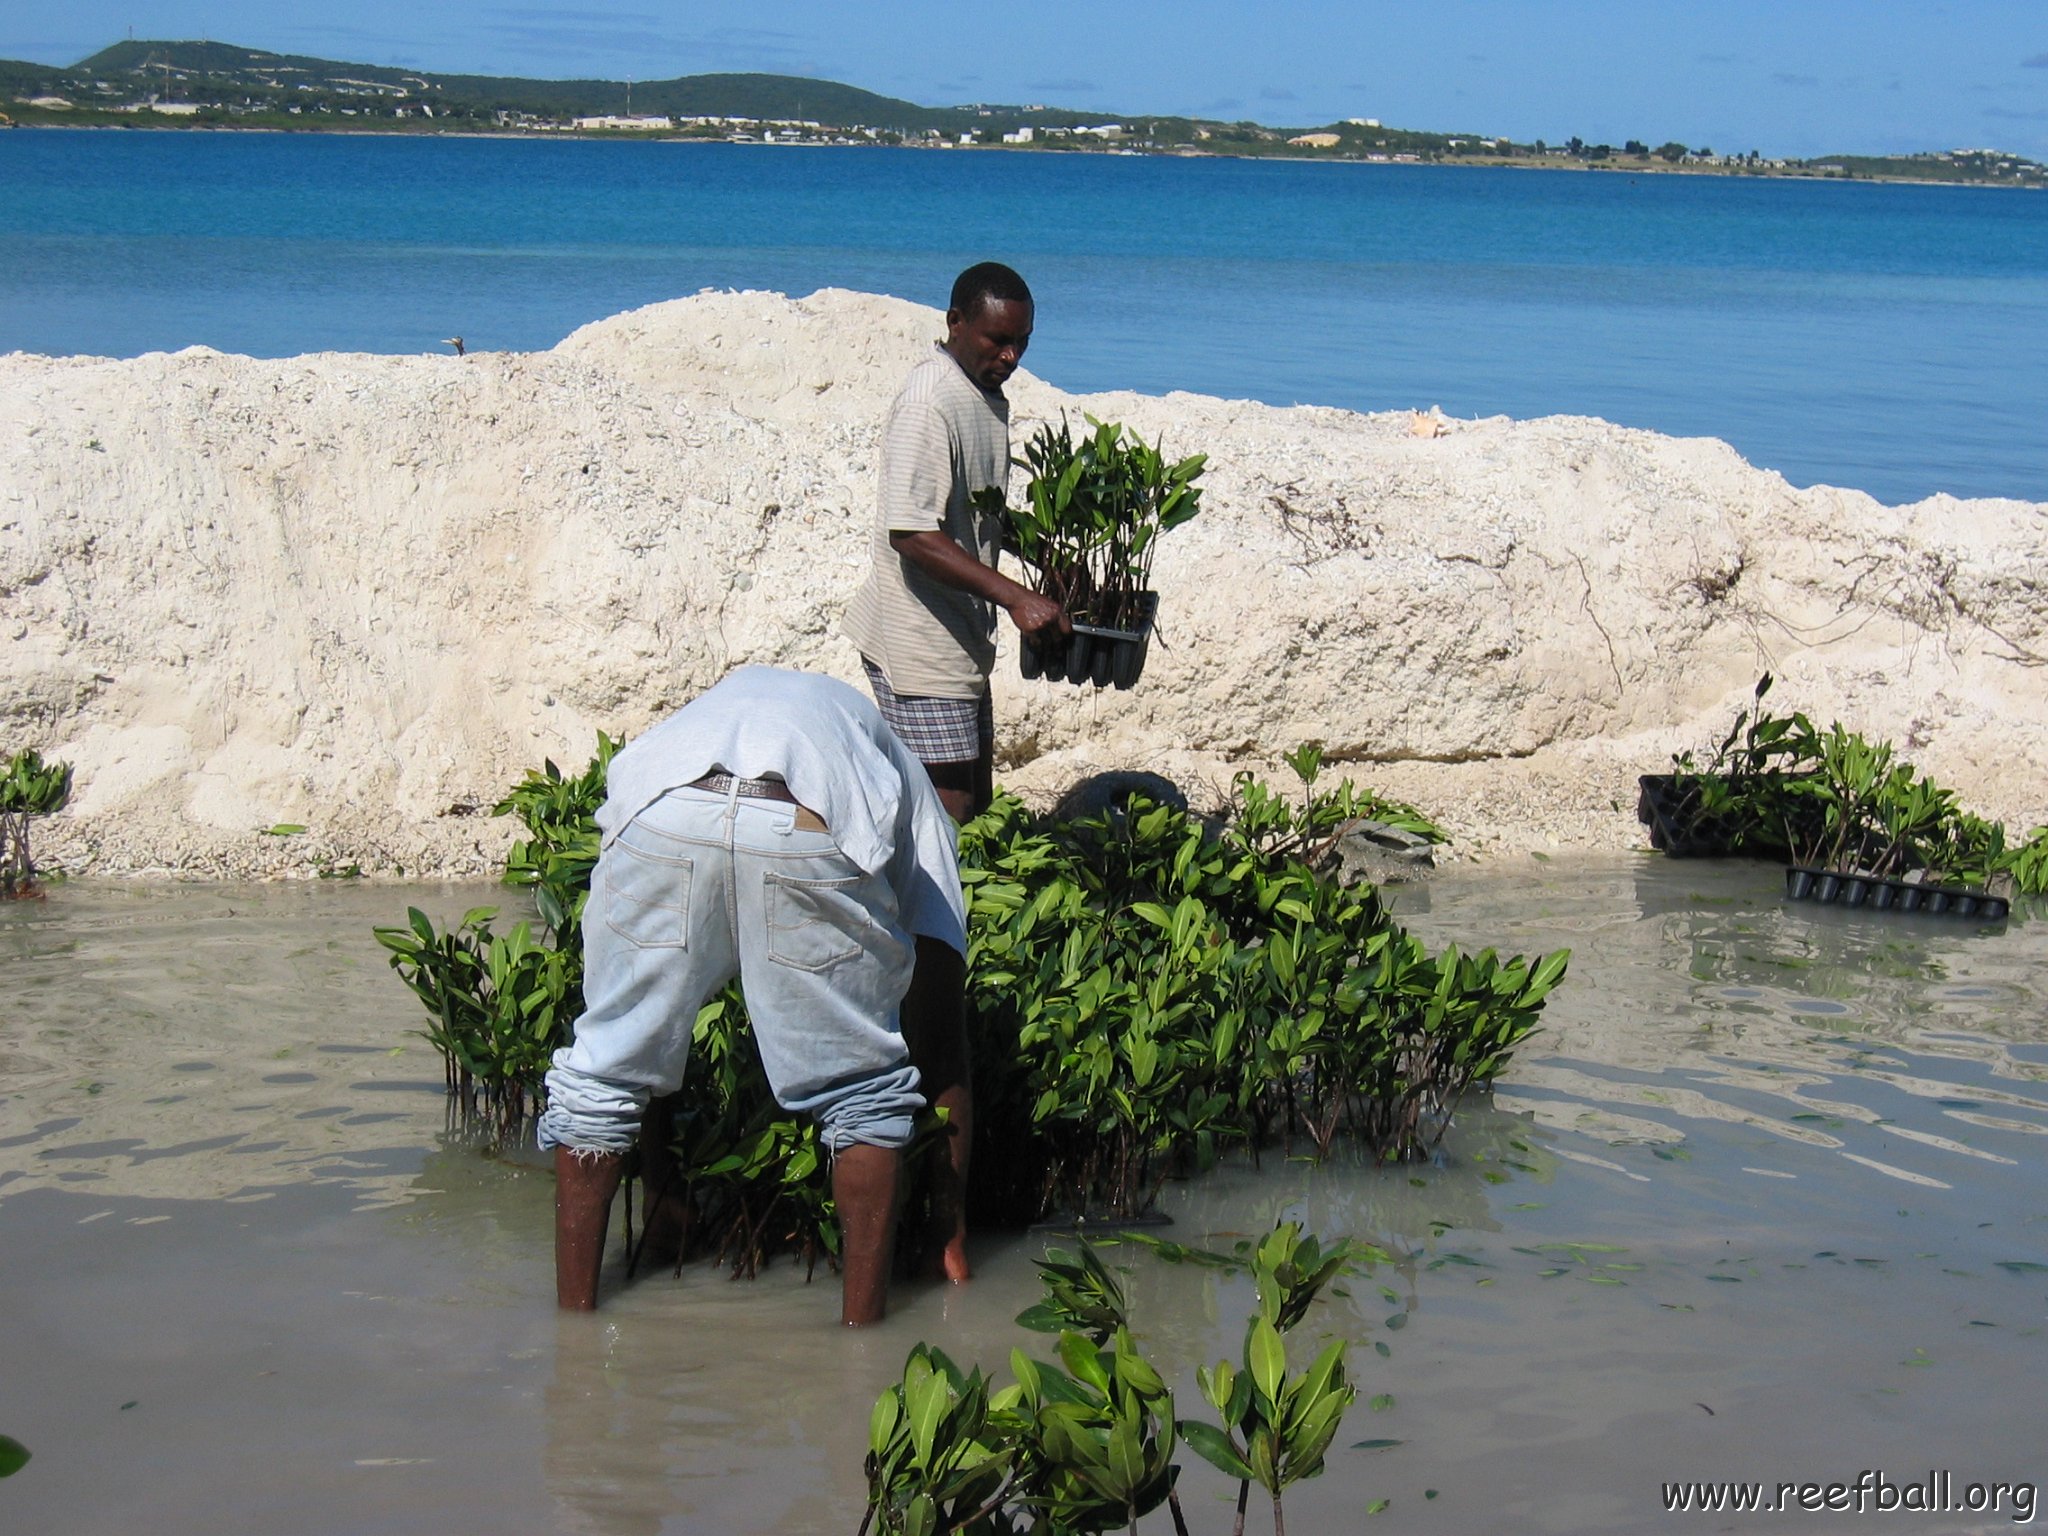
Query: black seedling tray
x=1831 y=887
x=1676 y=828
x=1093 y=653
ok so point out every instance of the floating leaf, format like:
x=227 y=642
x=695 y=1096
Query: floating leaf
x=1383 y=1402
x=1376 y=1506
x=13 y=1456
x=1375 y=1445
x=1727 y=1279
x=2022 y=1267
x=1379 y=1347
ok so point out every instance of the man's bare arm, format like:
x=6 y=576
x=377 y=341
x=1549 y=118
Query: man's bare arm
x=940 y=556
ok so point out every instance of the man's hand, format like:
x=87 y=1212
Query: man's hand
x=1039 y=617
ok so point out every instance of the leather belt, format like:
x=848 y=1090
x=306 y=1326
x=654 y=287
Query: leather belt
x=749 y=789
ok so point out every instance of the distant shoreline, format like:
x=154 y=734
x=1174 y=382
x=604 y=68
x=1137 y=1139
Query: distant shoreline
x=1461 y=162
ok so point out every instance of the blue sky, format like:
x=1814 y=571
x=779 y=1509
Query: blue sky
x=1788 y=77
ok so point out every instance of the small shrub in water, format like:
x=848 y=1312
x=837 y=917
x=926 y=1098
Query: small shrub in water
x=1087 y=1444
x=29 y=787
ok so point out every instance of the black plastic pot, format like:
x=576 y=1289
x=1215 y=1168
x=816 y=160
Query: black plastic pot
x=1831 y=887
x=1094 y=653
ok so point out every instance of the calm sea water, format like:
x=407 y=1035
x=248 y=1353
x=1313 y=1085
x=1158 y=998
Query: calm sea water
x=1888 y=338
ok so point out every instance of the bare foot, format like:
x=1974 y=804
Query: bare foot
x=948 y=1262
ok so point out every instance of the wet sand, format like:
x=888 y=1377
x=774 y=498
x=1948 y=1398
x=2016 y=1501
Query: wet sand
x=252 y=1284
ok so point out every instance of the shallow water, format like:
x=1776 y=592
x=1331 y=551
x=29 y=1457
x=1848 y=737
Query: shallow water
x=252 y=1285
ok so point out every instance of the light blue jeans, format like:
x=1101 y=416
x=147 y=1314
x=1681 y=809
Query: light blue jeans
x=698 y=887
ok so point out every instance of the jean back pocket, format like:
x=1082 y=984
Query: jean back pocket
x=646 y=904
x=816 y=924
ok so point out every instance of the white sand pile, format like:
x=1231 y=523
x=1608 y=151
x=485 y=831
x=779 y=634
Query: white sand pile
x=363 y=594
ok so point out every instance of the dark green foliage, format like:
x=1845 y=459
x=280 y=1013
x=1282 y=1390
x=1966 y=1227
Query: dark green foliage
x=559 y=812
x=29 y=787
x=1779 y=788
x=935 y=1461
x=1081 y=1295
x=1092 y=513
x=1745 y=798
x=1087 y=1443
x=1146 y=990
x=501 y=1004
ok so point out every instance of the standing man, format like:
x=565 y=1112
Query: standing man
x=925 y=624
x=775 y=828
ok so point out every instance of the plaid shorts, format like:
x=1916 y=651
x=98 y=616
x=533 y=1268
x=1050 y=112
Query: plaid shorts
x=936 y=730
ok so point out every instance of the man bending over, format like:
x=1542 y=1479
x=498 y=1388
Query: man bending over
x=774 y=828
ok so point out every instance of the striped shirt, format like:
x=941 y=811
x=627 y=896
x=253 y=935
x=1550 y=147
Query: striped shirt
x=945 y=439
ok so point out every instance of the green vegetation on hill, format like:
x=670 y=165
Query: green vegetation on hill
x=209 y=84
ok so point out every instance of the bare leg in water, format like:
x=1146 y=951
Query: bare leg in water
x=864 y=1187
x=664 y=1214
x=935 y=1028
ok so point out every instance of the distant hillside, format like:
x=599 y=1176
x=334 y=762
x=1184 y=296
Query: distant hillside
x=221 y=85
x=207 y=69
x=19 y=74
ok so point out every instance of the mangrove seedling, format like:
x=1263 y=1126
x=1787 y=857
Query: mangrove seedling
x=1087 y=1444
x=29 y=788
x=1082 y=1295
x=1092 y=514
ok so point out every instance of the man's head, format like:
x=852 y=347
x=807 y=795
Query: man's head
x=988 y=323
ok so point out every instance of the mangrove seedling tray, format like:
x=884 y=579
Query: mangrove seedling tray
x=1676 y=827
x=1094 y=653
x=1831 y=887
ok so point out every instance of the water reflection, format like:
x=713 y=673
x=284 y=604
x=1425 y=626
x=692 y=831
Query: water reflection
x=1881 y=1039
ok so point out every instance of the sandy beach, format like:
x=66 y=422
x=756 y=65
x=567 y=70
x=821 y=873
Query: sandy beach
x=363 y=594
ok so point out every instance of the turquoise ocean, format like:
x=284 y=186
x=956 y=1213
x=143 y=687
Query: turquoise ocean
x=1890 y=338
